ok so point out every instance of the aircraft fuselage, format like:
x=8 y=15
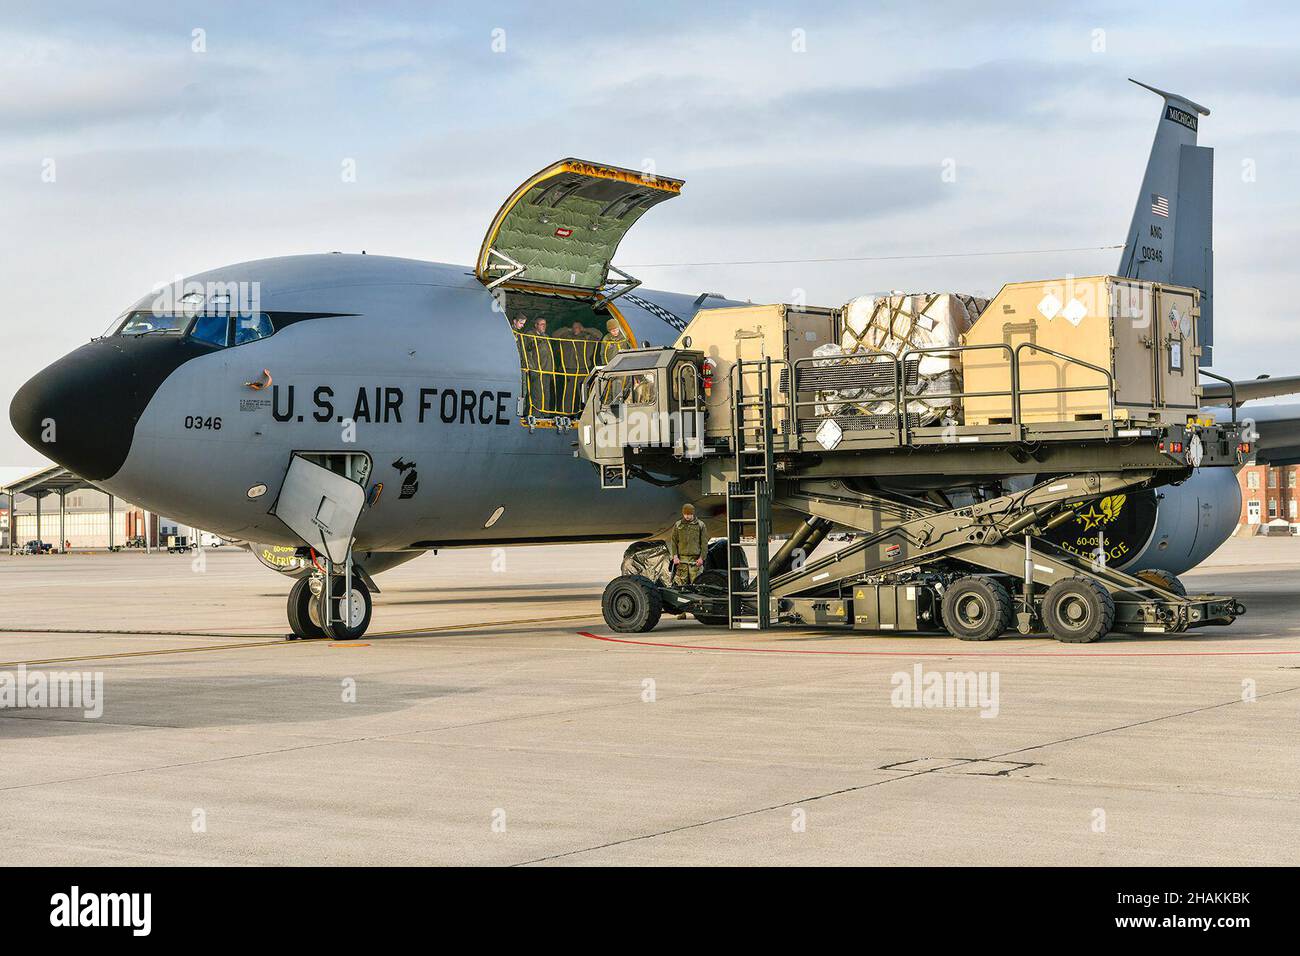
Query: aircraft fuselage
x=411 y=363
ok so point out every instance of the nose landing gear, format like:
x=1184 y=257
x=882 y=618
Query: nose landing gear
x=320 y=500
x=344 y=618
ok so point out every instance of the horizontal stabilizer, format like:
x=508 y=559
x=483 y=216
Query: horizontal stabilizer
x=1220 y=393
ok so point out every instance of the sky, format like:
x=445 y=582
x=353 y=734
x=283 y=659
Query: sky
x=158 y=140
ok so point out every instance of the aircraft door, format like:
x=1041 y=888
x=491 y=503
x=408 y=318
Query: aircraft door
x=320 y=506
x=547 y=258
x=559 y=231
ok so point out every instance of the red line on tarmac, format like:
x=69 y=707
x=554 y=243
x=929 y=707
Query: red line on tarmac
x=923 y=653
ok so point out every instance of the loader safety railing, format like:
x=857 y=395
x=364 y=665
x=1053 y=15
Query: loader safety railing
x=1232 y=389
x=872 y=393
x=1108 y=385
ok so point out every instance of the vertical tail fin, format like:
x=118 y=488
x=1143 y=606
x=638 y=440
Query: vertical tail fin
x=1171 y=236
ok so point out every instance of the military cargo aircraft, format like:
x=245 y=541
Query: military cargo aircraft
x=364 y=409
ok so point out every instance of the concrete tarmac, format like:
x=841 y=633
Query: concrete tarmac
x=488 y=719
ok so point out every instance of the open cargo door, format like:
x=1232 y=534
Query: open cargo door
x=558 y=232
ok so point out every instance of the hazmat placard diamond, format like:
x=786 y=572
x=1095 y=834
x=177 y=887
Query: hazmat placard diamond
x=1075 y=311
x=1050 y=306
x=829 y=434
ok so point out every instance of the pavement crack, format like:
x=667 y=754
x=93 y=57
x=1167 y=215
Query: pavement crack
x=1140 y=723
x=877 y=783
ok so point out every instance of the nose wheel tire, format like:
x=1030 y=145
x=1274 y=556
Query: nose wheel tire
x=1078 y=611
x=359 y=600
x=303 y=620
x=1163 y=579
x=631 y=604
x=976 y=608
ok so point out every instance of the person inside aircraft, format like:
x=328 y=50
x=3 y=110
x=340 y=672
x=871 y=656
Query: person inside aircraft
x=517 y=325
x=575 y=351
x=248 y=328
x=559 y=342
x=541 y=365
x=612 y=343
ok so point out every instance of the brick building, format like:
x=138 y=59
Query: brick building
x=1270 y=499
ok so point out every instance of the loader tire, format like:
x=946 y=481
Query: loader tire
x=1163 y=579
x=631 y=604
x=976 y=608
x=1078 y=611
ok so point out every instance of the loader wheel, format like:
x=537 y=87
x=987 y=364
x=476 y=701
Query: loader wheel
x=976 y=608
x=631 y=604
x=1078 y=611
x=1163 y=579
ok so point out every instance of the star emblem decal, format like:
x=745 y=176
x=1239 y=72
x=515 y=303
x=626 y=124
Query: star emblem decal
x=1090 y=518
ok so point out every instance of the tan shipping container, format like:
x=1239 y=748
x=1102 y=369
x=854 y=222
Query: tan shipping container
x=1142 y=333
x=784 y=333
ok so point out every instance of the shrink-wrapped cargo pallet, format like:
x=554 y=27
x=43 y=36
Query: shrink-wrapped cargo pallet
x=894 y=324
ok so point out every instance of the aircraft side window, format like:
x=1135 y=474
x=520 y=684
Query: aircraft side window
x=211 y=329
x=250 y=328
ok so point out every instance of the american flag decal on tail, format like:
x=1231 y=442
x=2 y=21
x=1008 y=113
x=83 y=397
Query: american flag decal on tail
x=1160 y=205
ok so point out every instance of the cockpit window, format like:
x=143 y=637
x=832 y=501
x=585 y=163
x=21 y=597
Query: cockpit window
x=212 y=329
x=249 y=328
x=147 y=322
x=215 y=328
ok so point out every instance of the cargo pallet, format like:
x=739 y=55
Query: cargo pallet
x=919 y=564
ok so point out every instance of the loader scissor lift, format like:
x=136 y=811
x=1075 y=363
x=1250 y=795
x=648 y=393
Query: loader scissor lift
x=919 y=563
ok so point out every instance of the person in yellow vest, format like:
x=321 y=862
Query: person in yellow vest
x=688 y=542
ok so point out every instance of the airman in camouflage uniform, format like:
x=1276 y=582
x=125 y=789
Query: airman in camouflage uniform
x=541 y=369
x=612 y=343
x=687 y=544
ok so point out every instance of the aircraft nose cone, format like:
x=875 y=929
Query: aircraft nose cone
x=82 y=410
x=68 y=412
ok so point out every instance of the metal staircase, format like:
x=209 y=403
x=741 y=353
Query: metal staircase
x=749 y=497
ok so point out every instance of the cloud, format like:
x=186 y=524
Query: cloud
x=780 y=196
x=58 y=88
x=1001 y=92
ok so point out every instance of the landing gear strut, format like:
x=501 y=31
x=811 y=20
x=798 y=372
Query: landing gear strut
x=345 y=606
